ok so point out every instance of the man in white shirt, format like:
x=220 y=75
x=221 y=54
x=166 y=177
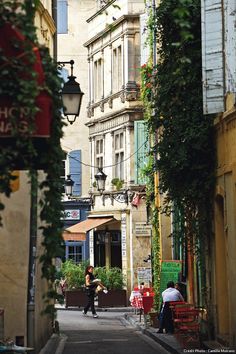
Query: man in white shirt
x=168 y=295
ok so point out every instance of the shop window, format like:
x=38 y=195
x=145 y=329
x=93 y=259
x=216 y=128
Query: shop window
x=74 y=251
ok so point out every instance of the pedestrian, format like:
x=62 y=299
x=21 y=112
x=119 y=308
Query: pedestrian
x=168 y=295
x=63 y=286
x=90 y=285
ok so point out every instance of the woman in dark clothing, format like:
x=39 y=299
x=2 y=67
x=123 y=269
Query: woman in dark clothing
x=91 y=284
x=90 y=290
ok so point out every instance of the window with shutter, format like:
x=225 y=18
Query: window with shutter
x=141 y=148
x=212 y=57
x=119 y=155
x=62 y=17
x=75 y=170
x=63 y=167
x=144 y=48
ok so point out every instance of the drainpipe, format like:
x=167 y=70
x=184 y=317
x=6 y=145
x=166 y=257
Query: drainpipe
x=156 y=175
x=54 y=16
x=32 y=258
x=190 y=260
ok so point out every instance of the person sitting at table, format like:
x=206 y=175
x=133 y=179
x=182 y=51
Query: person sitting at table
x=168 y=295
x=182 y=289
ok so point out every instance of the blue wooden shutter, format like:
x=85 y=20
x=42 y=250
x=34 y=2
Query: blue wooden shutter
x=63 y=73
x=212 y=56
x=62 y=17
x=141 y=148
x=75 y=170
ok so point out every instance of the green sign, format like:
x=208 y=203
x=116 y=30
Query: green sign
x=170 y=271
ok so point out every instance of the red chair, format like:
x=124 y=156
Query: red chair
x=187 y=325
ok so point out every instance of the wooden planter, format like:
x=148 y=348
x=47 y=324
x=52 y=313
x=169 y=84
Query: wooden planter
x=113 y=298
x=76 y=297
x=154 y=319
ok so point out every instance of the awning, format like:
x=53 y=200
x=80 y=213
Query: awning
x=78 y=231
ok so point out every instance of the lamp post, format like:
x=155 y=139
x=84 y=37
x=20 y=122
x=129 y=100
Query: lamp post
x=68 y=186
x=101 y=180
x=121 y=197
x=71 y=94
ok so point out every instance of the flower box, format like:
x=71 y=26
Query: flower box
x=76 y=298
x=113 y=298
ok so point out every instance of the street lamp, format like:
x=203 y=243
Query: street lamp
x=122 y=197
x=68 y=186
x=71 y=94
x=101 y=180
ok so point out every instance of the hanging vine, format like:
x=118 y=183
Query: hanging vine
x=147 y=74
x=19 y=83
x=173 y=107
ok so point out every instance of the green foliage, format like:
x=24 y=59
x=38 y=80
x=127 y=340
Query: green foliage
x=74 y=274
x=20 y=85
x=118 y=183
x=184 y=142
x=186 y=146
x=111 y=278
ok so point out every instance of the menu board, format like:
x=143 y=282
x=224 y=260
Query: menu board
x=170 y=271
x=144 y=275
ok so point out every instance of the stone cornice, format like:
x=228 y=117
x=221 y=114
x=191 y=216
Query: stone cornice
x=108 y=28
x=226 y=121
x=100 y=11
x=112 y=115
x=130 y=93
x=47 y=17
x=121 y=119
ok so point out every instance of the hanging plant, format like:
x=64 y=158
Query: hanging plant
x=185 y=145
x=19 y=82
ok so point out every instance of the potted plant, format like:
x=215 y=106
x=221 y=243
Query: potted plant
x=153 y=316
x=113 y=280
x=74 y=275
x=118 y=183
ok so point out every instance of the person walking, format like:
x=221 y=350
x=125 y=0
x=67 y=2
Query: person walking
x=90 y=285
x=168 y=295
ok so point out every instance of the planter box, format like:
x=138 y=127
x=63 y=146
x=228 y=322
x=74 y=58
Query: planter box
x=112 y=299
x=75 y=298
x=154 y=319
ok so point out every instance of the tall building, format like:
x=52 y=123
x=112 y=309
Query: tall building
x=72 y=31
x=219 y=85
x=22 y=286
x=118 y=140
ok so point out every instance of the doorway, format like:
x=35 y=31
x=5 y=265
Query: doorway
x=107 y=248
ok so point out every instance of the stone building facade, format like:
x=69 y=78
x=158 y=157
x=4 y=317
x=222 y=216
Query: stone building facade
x=19 y=262
x=118 y=139
x=219 y=87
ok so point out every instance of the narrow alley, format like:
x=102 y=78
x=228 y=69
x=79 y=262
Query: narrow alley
x=110 y=333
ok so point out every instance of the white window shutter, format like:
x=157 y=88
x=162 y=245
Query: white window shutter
x=144 y=48
x=230 y=45
x=212 y=57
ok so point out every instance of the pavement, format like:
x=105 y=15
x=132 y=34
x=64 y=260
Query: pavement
x=167 y=341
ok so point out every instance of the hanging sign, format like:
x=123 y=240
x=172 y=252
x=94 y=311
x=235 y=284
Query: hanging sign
x=8 y=108
x=71 y=214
